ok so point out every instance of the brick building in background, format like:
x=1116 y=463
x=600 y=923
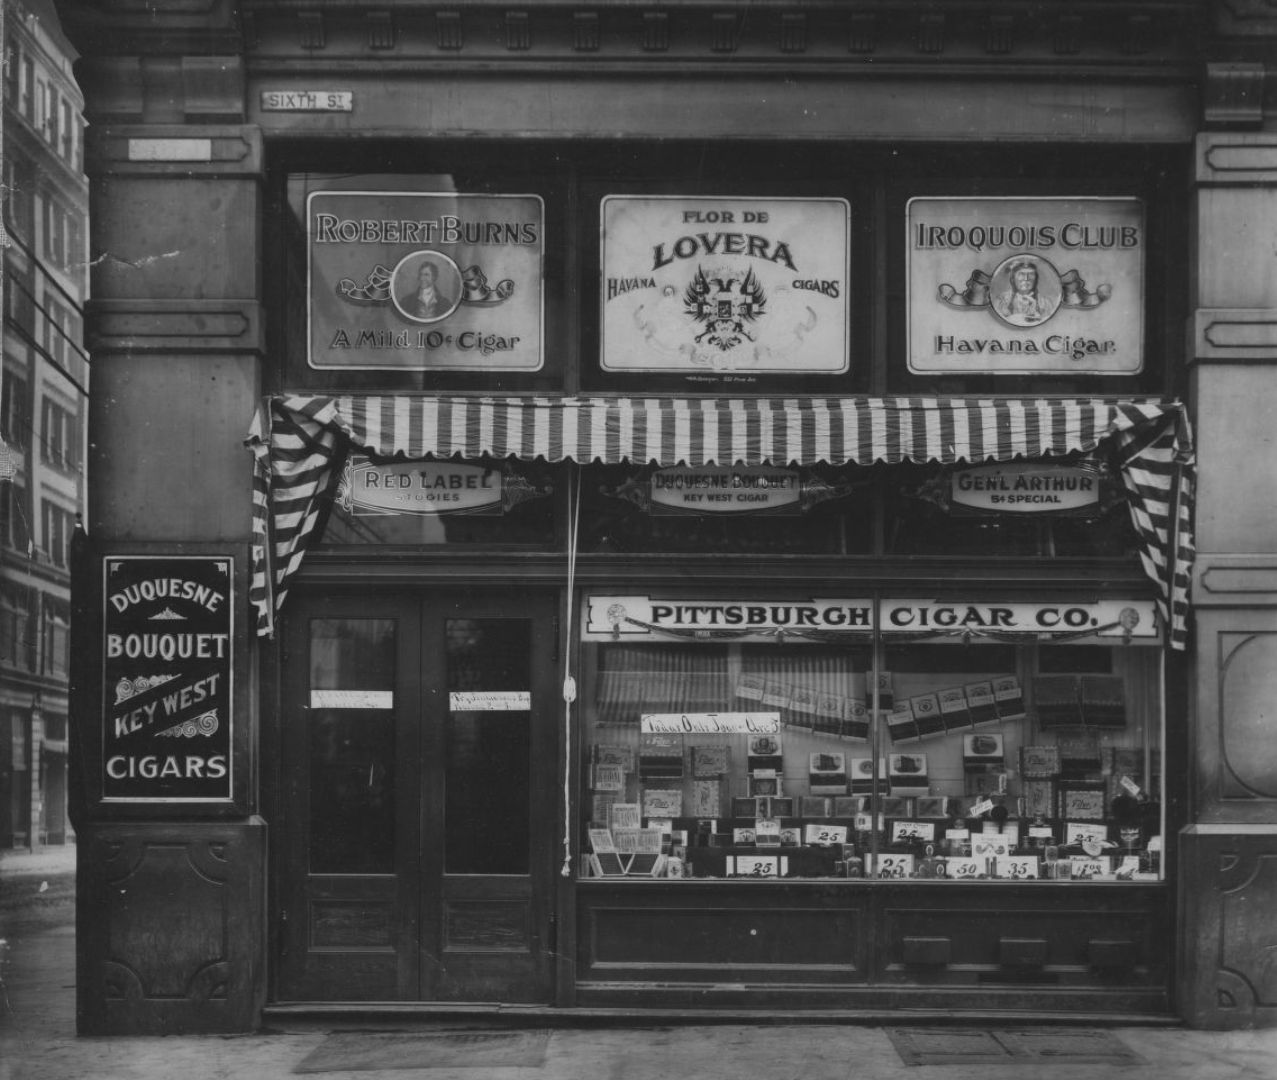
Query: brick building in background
x=722 y=488
x=43 y=414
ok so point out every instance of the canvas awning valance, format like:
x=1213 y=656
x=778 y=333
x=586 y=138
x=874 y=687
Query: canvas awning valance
x=300 y=442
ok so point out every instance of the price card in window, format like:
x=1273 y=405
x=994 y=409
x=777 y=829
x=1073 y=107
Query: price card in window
x=981 y=807
x=913 y=830
x=824 y=835
x=1017 y=867
x=1088 y=868
x=894 y=866
x=757 y=866
x=1084 y=832
x=964 y=868
x=989 y=847
x=957 y=834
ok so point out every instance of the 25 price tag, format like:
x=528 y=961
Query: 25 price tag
x=824 y=835
x=756 y=866
x=913 y=830
x=894 y=866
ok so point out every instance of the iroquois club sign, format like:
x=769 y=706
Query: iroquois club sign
x=1026 y=285
x=424 y=280
x=167 y=678
x=725 y=285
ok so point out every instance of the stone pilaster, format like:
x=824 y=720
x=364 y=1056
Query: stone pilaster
x=1228 y=853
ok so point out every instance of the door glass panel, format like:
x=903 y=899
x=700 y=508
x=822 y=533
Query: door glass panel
x=486 y=804
x=352 y=746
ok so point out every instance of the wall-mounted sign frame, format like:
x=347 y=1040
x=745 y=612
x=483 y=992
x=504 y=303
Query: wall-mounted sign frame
x=727 y=490
x=440 y=281
x=168 y=679
x=1029 y=488
x=610 y=618
x=374 y=489
x=725 y=284
x=1026 y=285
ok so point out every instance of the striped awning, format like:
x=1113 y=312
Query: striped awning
x=300 y=442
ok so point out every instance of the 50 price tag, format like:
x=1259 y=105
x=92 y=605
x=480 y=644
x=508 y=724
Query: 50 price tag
x=963 y=868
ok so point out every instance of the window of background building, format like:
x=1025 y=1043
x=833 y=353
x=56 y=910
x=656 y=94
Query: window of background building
x=68 y=132
x=57 y=636
x=26 y=101
x=52 y=124
x=17 y=632
x=57 y=443
x=41 y=104
x=56 y=318
x=15 y=411
x=19 y=312
x=15 y=533
x=56 y=536
x=19 y=201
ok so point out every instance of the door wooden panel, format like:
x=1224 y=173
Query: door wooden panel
x=418 y=816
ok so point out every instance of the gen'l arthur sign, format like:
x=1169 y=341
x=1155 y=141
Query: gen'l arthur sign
x=1019 y=286
x=167 y=672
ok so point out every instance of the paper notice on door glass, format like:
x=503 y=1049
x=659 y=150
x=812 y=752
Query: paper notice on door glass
x=352 y=699
x=490 y=700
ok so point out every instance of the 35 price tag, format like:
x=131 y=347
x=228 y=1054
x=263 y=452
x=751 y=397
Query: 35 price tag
x=1017 y=867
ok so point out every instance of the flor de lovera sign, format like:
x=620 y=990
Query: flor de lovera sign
x=167 y=678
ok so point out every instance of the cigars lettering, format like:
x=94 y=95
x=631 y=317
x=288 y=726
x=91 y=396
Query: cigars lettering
x=409 y=280
x=726 y=288
x=167 y=673
x=1026 y=285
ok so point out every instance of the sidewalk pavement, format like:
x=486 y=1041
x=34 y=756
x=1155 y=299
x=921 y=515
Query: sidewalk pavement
x=38 y=1042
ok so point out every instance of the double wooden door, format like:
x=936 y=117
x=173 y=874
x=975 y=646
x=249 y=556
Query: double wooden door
x=418 y=765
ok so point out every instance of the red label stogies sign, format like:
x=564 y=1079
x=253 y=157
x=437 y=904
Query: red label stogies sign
x=167 y=678
x=444 y=281
x=1026 y=285
x=725 y=286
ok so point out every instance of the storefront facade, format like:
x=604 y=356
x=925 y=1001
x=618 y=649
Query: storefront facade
x=730 y=550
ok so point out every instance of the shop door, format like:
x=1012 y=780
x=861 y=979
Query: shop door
x=418 y=766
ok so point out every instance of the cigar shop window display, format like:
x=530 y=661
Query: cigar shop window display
x=998 y=761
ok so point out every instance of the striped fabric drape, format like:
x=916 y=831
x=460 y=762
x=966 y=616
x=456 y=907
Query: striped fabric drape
x=299 y=440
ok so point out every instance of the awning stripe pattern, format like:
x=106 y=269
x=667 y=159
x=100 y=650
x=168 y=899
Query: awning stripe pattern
x=300 y=442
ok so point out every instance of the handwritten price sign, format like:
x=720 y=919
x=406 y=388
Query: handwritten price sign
x=913 y=830
x=1017 y=867
x=824 y=835
x=894 y=866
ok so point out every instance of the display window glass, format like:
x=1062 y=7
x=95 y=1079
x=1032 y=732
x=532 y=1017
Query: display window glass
x=891 y=739
x=446 y=503
x=728 y=510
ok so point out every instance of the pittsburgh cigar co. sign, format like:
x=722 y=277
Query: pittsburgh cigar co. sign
x=1026 y=285
x=443 y=281
x=613 y=616
x=167 y=678
x=724 y=286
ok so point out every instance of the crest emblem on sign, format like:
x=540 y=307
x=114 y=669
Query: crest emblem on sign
x=725 y=307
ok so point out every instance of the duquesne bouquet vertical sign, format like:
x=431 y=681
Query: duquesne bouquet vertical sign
x=167 y=678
